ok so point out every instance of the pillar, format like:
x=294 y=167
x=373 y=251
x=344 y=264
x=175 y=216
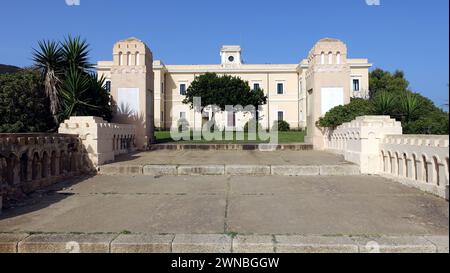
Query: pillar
x=132 y=89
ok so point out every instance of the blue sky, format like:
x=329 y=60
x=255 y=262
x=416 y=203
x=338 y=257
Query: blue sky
x=411 y=35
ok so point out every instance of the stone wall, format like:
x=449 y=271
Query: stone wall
x=31 y=161
x=417 y=159
x=102 y=140
x=377 y=145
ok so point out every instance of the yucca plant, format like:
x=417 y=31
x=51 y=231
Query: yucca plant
x=409 y=107
x=48 y=59
x=75 y=52
x=74 y=92
x=71 y=85
x=384 y=103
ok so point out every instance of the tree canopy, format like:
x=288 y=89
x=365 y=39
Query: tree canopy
x=390 y=95
x=222 y=91
x=24 y=106
x=69 y=82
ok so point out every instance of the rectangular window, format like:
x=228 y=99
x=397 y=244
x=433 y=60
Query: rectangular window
x=183 y=89
x=356 y=85
x=182 y=115
x=231 y=121
x=108 y=86
x=280 y=88
x=256 y=86
x=162 y=117
x=280 y=115
x=162 y=88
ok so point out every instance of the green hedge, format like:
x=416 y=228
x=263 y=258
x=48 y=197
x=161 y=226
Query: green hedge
x=24 y=106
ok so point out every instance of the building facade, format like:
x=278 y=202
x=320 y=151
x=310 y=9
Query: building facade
x=297 y=93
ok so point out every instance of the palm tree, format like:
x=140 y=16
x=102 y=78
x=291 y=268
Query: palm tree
x=384 y=103
x=48 y=59
x=71 y=85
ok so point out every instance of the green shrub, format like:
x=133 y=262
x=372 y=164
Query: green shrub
x=342 y=114
x=283 y=126
x=24 y=107
x=436 y=123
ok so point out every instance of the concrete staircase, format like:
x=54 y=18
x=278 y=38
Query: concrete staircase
x=229 y=169
x=231 y=147
x=231 y=160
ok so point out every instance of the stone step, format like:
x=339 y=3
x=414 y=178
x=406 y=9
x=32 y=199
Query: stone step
x=232 y=170
x=231 y=147
x=217 y=243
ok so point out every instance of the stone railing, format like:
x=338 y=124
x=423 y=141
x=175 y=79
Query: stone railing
x=102 y=140
x=377 y=145
x=359 y=140
x=31 y=161
x=421 y=160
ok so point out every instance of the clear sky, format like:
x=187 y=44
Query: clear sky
x=411 y=35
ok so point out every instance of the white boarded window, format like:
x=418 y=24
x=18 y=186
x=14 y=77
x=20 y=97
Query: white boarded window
x=331 y=97
x=322 y=58
x=330 y=58
x=128 y=101
x=338 y=58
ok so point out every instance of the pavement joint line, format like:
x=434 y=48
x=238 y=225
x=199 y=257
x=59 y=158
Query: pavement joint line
x=431 y=242
x=17 y=244
x=227 y=199
x=112 y=240
x=274 y=241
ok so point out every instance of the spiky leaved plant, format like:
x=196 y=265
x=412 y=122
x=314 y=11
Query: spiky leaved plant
x=48 y=59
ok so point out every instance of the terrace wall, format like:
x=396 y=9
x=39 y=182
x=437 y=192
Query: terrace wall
x=29 y=162
x=377 y=145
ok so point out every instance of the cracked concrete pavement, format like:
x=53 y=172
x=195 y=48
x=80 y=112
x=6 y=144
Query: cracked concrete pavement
x=346 y=205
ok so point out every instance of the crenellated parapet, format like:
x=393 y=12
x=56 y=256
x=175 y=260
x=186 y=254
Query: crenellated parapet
x=102 y=140
x=32 y=161
x=377 y=145
x=29 y=162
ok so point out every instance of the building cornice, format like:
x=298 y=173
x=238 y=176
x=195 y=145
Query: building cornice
x=233 y=70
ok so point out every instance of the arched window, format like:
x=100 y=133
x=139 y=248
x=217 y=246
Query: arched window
x=120 y=58
x=128 y=58
x=338 y=58
x=138 y=56
x=330 y=58
x=322 y=58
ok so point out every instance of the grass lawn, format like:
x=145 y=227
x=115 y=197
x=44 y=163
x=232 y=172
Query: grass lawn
x=283 y=137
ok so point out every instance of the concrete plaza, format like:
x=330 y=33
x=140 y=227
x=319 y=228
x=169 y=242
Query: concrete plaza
x=324 y=206
x=341 y=205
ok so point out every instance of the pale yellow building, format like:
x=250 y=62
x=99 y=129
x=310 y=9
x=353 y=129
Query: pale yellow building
x=296 y=92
